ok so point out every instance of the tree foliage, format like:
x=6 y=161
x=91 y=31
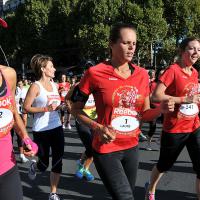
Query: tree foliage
x=71 y=30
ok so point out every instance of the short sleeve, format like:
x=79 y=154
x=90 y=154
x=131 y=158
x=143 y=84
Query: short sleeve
x=85 y=84
x=167 y=77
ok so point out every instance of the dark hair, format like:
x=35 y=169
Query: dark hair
x=60 y=77
x=115 y=31
x=37 y=62
x=184 y=44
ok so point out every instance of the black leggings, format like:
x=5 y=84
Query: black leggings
x=53 y=138
x=85 y=135
x=10 y=185
x=118 y=171
x=171 y=146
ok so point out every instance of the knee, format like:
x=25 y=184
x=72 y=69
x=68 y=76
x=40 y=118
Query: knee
x=57 y=167
x=42 y=166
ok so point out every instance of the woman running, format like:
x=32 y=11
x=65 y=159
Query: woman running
x=85 y=134
x=121 y=93
x=43 y=101
x=10 y=183
x=63 y=88
x=181 y=127
x=18 y=101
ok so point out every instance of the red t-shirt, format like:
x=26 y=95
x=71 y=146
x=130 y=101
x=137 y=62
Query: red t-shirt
x=63 y=89
x=185 y=117
x=118 y=102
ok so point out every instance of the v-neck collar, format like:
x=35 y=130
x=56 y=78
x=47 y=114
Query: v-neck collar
x=131 y=67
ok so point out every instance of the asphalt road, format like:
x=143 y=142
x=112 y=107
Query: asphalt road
x=177 y=184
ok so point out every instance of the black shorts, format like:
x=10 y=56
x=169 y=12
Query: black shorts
x=53 y=138
x=171 y=146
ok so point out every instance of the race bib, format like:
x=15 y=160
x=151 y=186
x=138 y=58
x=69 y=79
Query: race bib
x=54 y=99
x=6 y=121
x=124 y=121
x=90 y=102
x=189 y=109
x=125 y=124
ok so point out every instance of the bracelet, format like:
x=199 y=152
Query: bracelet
x=45 y=109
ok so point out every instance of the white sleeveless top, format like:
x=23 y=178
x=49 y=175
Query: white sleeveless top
x=46 y=120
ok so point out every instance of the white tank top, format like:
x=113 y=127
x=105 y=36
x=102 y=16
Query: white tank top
x=46 y=120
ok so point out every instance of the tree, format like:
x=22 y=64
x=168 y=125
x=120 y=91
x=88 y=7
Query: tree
x=8 y=39
x=151 y=28
x=182 y=18
x=95 y=18
x=59 y=35
x=31 y=22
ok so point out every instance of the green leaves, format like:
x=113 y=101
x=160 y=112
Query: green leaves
x=70 y=30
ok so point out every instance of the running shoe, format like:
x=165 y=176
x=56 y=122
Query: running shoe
x=32 y=170
x=23 y=159
x=143 y=137
x=63 y=126
x=54 y=196
x=87 y=174
x=80 y=170
x=148 y=195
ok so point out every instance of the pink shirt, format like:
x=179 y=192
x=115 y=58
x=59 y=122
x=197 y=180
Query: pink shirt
x=7 y=159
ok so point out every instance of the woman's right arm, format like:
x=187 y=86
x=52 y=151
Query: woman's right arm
x=160 y=96
x=106 y=134
x=33 y=92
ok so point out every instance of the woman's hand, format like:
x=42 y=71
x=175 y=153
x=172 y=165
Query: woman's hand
x=30 y=148
x=52 y=107
x=106 y=134
x=192 y=99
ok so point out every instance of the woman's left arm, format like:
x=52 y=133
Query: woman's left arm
x=19 y=126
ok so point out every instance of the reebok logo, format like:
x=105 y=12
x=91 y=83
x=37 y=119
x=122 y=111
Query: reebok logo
x=5 y=102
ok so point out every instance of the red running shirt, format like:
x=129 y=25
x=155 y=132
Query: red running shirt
x=185 y=117
x=63 y=89
x=118 y=101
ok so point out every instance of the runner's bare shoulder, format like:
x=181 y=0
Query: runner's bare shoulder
x=9 y=74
